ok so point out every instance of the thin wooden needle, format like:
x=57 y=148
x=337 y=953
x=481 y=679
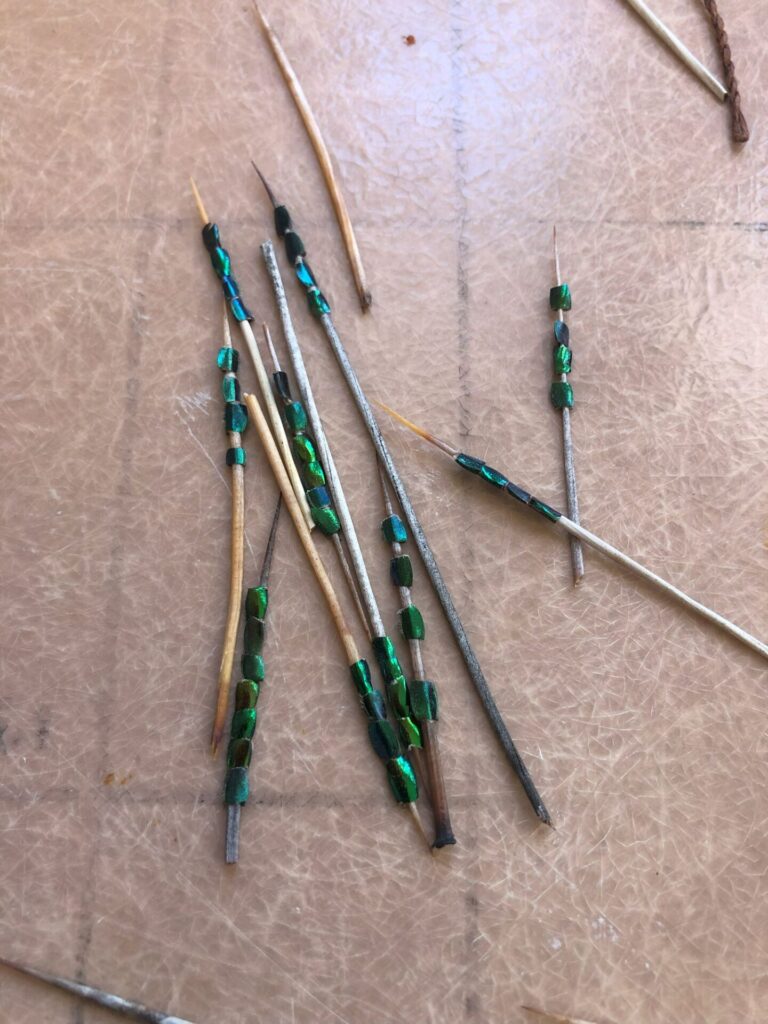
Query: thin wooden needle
x=572 y=498
x=324 y=159
x=125 y=1007
x=556 y=1018
x=323 y=580
x=496 y=479
x=237 y=537
x=678 y=48
x=264 y=386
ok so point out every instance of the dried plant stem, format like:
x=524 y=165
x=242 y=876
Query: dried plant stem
x=324 y=159
x=678 y=48
x=739 y=126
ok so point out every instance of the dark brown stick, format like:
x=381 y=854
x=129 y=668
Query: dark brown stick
x=739 y=127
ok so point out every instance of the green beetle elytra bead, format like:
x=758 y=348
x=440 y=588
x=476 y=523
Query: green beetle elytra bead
x=397 y=695
x=563 y=359
x=361 y=677
x=386 y=656
x=562 y=334
x=244 y=724
x=410 y=734
x=560 y=297
x=326 y=519
x=318 y=304
x=230 y=389
x=375 y=706
x=246 y=694
x=314 y=475
x=318 y=497
x=394 y=530
x=295 y=417
x=423 y=696
x=412 y=623
x=235 y=417
x=252 y=667
x=383 y=739
x=470 y=462
x=561 y=394
x=254 y=636
x=304 y=449
x=221 y=261
x=239 y=753
x=227 y=359
x=236 y=456
x=402 y=781
x=236 y=788
x=541 y=506
x=401 y=571
x=256 y=602
x=493 y=476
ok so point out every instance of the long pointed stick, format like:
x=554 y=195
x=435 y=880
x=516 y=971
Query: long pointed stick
x=556 y=1018
x=398 y=770
x=572 y=498
x=318 y=304
x=678 y=48
x=236 y=566
x=125 y=1007
x=498 y=480
x=324 y=159
x=241 y=314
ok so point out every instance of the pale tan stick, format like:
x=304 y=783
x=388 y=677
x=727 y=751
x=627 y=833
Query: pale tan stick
x=324 y=159
x=235 y=583
x=678 y=48
x=278 y=469
x=266 y=391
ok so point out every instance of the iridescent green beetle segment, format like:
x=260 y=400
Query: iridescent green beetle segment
x=394 y=530
x=386 y=656
x=401 y=571
x=254 y=635
x=493 y=476
x=326 y=519
x=361 y=677
x=402 y=781
x=314 y=475
x=235 y=417
x=256 y=602
x=304 y=449
x=561 y=394
x=252 y=666
x=563 y=359
x=244 y=724
x=383 y=739
x=235 y=456
x=560 y=297
x=295 y=417
x=470 y=463
x=412 y=623
x=222 y=265
x=424 y=699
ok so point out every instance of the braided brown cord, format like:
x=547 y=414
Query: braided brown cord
x=739 y=127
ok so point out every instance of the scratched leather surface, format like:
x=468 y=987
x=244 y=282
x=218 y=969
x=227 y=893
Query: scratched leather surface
x=644 y=728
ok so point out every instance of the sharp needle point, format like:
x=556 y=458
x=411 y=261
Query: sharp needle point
x=443 y=445
x=199 y=202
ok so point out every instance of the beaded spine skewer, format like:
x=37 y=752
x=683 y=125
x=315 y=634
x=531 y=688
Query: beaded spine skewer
x=561 y=396
x=320 y=308
x=421 y=696
x=382 y=736
x=235 y=413
x=384 y=649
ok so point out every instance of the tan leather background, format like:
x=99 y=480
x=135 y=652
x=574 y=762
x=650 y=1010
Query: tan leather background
x=645 y=729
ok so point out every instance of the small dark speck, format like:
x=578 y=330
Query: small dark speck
x=43 y=732
x=3 y=748
x=108 y=779
x=409 y=40
x=472 y=1004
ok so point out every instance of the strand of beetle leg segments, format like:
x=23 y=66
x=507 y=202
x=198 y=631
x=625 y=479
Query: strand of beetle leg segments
x=313 y=474
x=324 y=159
x=383 y=647
x=382 y=736
x=125 y=1007
x=222 y=267
x=320 y=308
x=421 y=694
x=561 y=396
x=739 y=126
x=235 y=421
x=243 y=727
x=499 y=481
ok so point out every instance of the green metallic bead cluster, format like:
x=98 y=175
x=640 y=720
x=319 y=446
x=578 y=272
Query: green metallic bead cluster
x=245 y=717
x=235 y=413
x=383 y=737
x=321 y=507
x=561 y=392
x=560 y=297
x=222 y=266
x=397 y=690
